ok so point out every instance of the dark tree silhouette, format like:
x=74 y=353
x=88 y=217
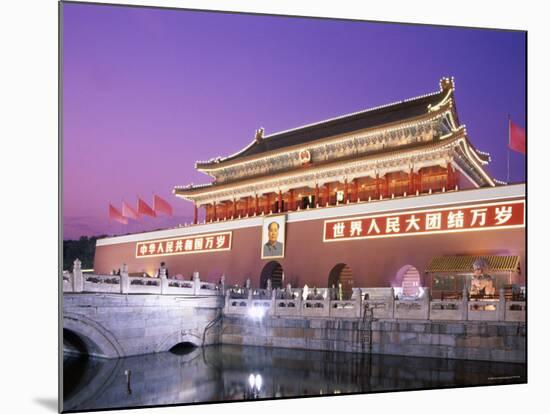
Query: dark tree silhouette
x=83 y=249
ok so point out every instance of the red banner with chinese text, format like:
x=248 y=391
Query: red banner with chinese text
x=200 y=243
x=444 y=220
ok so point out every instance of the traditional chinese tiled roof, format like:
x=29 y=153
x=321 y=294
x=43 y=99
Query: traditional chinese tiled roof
x=464 y=264
x=369 y=118
x=190 y=189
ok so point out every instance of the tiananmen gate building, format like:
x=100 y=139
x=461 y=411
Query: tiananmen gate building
x=391 y=196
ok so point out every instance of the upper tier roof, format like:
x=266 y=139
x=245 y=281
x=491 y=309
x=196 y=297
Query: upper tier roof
x=369 y=118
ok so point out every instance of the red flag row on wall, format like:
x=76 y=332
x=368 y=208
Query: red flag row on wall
x=143 y=209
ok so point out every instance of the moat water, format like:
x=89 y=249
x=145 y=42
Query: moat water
x=229 y=373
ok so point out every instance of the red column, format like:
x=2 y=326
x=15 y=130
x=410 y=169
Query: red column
x=449 y=184
x=246 y=206
x=195 y=214
x=356 y=189
x=214 y=211
x=268 y=205
x=377 y=185
x=411 y=182
x=234 y=208
x=256 y=205
x=387 y=176
x=279 y=209
x=291 y=202
x=346 y=196
x=327 y=193
x=455 y=179
x=317 y=194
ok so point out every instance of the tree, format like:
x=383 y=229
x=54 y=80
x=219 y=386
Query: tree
x=83 y=249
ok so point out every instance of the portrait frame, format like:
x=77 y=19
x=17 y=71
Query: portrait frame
x=280 y=220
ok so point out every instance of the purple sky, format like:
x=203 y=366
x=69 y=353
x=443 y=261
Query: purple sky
x=147 y=92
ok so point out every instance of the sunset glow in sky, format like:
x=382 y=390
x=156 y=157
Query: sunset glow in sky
x=147 y=92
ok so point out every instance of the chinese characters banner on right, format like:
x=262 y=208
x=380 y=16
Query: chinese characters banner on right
x=444 y=220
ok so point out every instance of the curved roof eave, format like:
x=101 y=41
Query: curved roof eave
x=416 y=106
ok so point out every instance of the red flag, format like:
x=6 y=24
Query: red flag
x=517 y=138
x=161 y=206
x=115 y=215
x=143 y=208
x=129 y=212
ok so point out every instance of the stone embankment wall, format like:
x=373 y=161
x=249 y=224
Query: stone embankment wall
x=489 y=341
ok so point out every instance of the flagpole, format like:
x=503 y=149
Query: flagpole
x=508 y=149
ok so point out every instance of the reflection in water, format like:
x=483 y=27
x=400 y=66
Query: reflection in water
x=228 y=372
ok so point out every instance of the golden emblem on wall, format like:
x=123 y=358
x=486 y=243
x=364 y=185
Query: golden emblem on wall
x=305 y=157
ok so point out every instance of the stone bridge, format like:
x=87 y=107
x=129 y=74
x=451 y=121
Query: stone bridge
x=114 y=316
x=117 y=325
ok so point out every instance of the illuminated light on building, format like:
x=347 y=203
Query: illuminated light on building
x=256 y=312
x=393 y=171
x=258 y=382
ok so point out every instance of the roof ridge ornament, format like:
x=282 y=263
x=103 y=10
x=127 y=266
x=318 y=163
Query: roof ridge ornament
x=445 y=85
x=259 y=134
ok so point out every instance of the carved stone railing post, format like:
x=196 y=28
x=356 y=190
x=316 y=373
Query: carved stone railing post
x=392 y=303
x=269 y=287
x=163 y=281
x=78 y=277
x=222 y=287
x=358 y=303
x=124 y=279
x=227 y=300
x=273 y=298
x=465 y=303
x=300 y=301
x=326 y=303
x=248 y=290
x=276 y=294
x=426 y=303
x=501 y=305
x=196 y=283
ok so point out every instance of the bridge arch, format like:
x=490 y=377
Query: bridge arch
x=97 y=340
x=176 y=338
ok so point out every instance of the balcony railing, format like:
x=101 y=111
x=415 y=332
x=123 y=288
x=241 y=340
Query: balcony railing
x=381 y=303
x=79 y=282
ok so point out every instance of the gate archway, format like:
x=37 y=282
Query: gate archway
x=274 y=271
x=341 y=274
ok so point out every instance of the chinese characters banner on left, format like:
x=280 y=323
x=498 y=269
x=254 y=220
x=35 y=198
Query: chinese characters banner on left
x=445 y=220
x=200 y=243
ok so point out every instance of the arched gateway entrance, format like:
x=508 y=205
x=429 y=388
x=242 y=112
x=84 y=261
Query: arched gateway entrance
x=341 y=274
x=274 y=271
